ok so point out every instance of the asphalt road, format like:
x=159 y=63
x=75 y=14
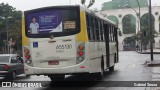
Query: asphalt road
x=131 y=67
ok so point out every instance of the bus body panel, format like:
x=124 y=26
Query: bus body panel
x=28 y=70
x=96 y=51
x=112 y=50
x=60 y=49
x=62 y=70
x=67 y=58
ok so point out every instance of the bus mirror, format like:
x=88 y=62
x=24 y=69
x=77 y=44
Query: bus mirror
x=119 y=32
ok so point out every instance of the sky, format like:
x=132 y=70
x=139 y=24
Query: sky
x=24 y=5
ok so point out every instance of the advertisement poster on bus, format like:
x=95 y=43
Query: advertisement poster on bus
x=44 y=22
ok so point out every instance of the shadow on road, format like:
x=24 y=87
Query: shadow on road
x=18 y=78
x=75 y=81
x=86 y=80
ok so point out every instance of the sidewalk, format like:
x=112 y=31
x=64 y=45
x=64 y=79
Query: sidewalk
x=155 y=51
x=154 y=63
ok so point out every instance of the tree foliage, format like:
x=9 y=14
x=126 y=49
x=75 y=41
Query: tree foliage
x=144 y=35
x=83 y=2
x=90 y=3
x=10 y=20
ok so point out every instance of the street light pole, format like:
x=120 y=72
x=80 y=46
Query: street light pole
x=139 y=15
x=139 y=20
x=139 y=10
x=7 y=36
x=150 y=27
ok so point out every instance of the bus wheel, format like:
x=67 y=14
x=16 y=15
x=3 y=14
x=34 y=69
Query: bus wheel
x=57 y=77
x=28 y=76
x=111 y=69
x=115 y=58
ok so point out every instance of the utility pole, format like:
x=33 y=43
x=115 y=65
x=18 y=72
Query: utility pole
x=150 y=27
x=8 y=49
x=139 y=21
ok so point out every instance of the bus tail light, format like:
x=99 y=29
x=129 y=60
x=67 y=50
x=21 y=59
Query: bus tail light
x=81 y=53
x=81 y=47
x=27 y=55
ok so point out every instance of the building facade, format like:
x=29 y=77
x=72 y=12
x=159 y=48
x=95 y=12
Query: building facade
x=121 y=14
x=119 y=4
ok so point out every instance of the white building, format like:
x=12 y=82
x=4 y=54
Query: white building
x=121 y=13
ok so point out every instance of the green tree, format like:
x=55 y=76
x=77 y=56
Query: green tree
x=144 y=35
x=90 y=3
x=10 y=19
x=83 y=2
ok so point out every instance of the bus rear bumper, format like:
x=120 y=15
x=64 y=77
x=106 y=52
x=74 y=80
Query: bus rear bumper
x=64 y=70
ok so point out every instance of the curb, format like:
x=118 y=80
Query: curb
x=148 y=52
x=155 y=63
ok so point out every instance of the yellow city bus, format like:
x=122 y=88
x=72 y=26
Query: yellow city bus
x=64 y=40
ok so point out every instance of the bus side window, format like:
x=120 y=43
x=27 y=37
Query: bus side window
x=91 y=28
x=97 y=29
x=111 y=33
x=101 y=30
x=114 y=34
x=103 y=38
x=94 y=29
x=88 y=26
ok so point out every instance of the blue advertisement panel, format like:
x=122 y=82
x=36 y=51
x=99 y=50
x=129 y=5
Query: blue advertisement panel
x=44 y=22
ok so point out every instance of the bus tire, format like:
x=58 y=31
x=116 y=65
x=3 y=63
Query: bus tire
x=111 y=69
x=102 y=66
x=28 y=76
x=57 y=78
x=115 y=58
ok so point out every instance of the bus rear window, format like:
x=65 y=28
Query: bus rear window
x=42 y=23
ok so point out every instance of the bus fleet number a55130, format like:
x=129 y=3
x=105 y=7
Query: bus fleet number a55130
x=67 y=46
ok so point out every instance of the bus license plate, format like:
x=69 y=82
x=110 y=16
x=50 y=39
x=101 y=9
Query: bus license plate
x=53 y=63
